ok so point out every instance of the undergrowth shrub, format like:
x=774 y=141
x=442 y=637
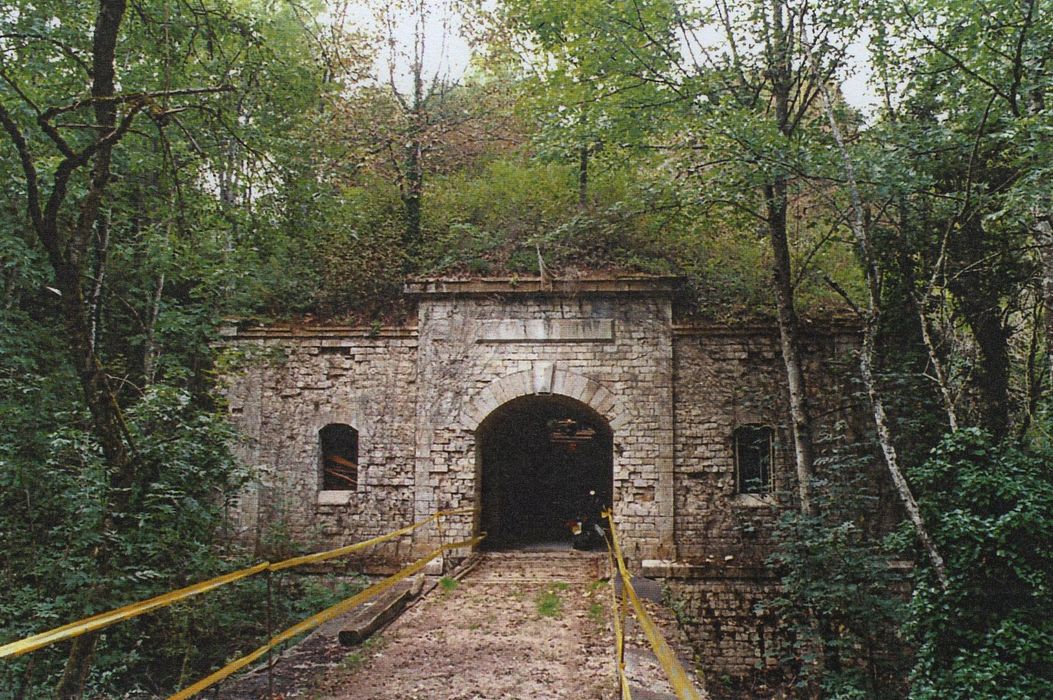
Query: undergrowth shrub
x=53 y=485
x=989 y=507
x=841 y=604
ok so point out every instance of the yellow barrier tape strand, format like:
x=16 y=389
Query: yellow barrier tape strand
x=318 y=619
x=618 y=610
x=674 y=671
x=102 y=620
x=619 y=636
x=333 y=553
x=96 y=622
x=626 y=694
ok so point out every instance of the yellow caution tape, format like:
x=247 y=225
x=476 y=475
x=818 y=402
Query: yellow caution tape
x=318 y=619
x=333 y=553
x=102 y=620
x=617 y=610
x=96 y=622
x=674 y=671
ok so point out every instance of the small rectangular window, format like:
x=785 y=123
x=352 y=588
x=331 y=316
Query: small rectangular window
x=339 y=444
x=753 y=459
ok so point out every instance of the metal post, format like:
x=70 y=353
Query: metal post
x=270 y=634
x=442 y=557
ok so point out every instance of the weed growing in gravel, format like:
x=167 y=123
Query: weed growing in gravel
x=549 y=604
x=356 y=658
x=598 y=584
x=448 y=584
x=598 y=614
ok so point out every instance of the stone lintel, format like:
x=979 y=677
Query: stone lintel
x=545 y=330
x=335 y=498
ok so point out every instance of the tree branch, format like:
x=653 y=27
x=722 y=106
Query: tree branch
x=25 y=156
x=143 y=97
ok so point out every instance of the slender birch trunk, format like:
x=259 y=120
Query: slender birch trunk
x=937 y=368
x=1044 y=230
x=866 y=356
x=151 y=351
x=776 y=197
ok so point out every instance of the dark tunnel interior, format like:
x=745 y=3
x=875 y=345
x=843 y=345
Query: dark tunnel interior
x=540 y=457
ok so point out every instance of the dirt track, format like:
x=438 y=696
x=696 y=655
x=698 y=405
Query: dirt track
x=519 y=626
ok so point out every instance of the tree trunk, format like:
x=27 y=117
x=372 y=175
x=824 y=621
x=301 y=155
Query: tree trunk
x=150 y=352
x=866 y=355
x=583 y=176
x=414 y=162
x=789 y=337
x=101 y=248
x=411 y=199
x=68 y=261
x=78 y=665
x=1045 y=243
x=992 y=381
x=937 y=368
x=110 y=431
x=775 y=195
x=976 y=289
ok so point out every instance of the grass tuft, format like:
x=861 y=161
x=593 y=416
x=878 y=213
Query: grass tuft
x=549 y=604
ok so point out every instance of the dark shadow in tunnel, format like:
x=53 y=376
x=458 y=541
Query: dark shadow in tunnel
x=540 y=456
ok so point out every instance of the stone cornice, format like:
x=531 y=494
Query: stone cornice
x=235 y=330
x=636 y=285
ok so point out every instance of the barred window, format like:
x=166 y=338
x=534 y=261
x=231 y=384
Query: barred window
x=339 y=457
x=753 y=448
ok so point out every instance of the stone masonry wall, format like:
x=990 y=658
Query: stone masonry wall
x=726 y=377
x=721 y=618
x=671 y=393
x=292 y=384
x=614 y=354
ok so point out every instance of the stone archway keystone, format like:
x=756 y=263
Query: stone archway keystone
x=543 y=378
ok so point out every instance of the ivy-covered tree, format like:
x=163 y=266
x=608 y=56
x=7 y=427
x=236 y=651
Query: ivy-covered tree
x=126 y=131
x=970 y=125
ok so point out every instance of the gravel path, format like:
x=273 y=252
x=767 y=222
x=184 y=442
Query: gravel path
x=519 y=625
x=527 y=625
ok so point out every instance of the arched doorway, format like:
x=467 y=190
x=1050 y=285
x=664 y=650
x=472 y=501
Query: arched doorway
x=539 y=457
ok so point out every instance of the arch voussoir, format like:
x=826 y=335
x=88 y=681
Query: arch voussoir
x=540 y=379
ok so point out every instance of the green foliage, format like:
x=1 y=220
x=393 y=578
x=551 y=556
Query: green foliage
x=990 y=509
x=55 y=485
x=586 y=93
x=188 y=231
x=841 y=603
x=598 y=614
x=548 y=603
x=497 y=221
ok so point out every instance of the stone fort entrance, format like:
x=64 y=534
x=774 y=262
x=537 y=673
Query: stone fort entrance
x=543 y=460
x=511 y=399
